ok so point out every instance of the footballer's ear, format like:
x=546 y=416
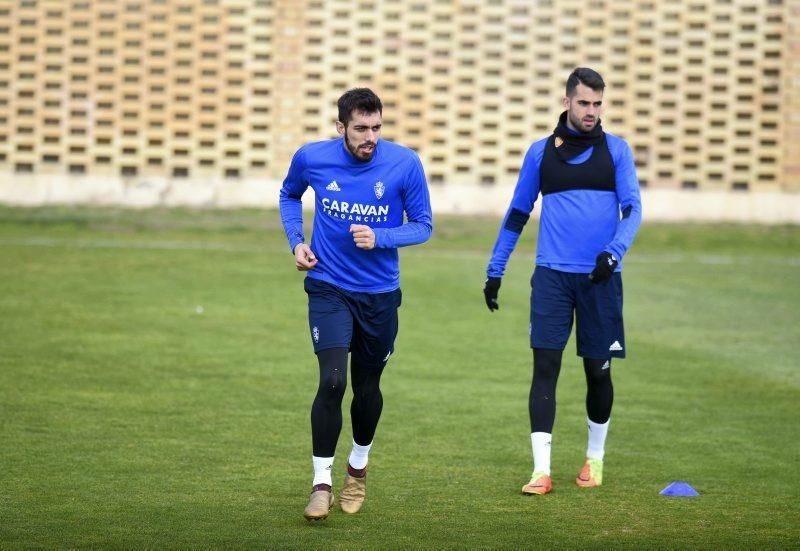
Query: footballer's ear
x=340 y=128
x=565 y=102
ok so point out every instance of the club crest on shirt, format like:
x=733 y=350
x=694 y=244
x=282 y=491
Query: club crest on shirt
x=379 y=189
x=559 y=141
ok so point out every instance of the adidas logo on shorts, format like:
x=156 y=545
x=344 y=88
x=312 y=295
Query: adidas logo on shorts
x=616 y=347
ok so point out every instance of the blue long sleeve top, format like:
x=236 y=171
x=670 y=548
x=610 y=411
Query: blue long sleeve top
x=575 y=225
x=376 y=193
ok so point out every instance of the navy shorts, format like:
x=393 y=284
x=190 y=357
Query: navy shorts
x=597 y=307
x=364 y=323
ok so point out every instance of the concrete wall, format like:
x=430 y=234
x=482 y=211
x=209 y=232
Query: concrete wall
x=707 y=93
x=663 y=205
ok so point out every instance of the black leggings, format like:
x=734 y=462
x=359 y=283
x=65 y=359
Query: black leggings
x=326 y=412
x=542 y=398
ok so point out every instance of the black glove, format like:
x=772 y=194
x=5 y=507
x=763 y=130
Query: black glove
x=605 y=264
x=490 y=289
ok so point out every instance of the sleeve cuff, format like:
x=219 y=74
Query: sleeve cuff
x=380 y=238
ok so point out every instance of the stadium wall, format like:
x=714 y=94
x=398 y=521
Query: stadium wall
x=662 y=205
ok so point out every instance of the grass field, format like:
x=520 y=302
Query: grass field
x=156 y=378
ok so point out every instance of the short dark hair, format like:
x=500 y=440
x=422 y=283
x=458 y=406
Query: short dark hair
x=587 y=77
x=358 y=99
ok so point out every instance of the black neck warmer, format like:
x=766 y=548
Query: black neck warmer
x=570 y=144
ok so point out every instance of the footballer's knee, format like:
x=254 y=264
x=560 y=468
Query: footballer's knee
x=333 y=384
x=598 y=372
x=366 y=388
x=333 y=372
x=546 y=363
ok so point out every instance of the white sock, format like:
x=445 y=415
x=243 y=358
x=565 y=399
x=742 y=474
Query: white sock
x=540 y=442
x=359 y=455
x=322 y=470
x=597 y=439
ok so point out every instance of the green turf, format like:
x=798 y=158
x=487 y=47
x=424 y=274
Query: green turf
x=128 y=419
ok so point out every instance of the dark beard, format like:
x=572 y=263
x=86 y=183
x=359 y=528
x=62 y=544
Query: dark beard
x=578 y=124
x=354 y=151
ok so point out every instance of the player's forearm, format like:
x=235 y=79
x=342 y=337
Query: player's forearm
x=503 y=247
x=512 y=227
x=629 y=197
x=626 y=230
x=292 y=219
x=410 y=233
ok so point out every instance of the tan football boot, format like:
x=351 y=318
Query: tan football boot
x=319 y=504
x=354 y=490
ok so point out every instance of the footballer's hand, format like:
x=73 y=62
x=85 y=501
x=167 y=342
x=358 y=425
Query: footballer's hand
x=490 y=289
x=363 y=236
x=304 y=258
x=605 y=264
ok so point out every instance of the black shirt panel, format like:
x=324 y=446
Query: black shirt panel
x=597 y=173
